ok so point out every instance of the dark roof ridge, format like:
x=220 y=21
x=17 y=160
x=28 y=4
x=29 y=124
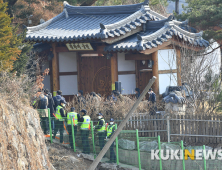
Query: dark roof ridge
x=174 y=27
x=116 y=9
x=125 y=21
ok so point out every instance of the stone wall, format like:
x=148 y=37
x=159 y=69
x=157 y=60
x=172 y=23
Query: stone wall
x=22 y=143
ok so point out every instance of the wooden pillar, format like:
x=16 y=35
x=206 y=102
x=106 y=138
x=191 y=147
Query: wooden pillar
x=179 y=83
x=114 y=70
x=79 y=70
x=55 y=71
x=137 y=73
x=155 y=73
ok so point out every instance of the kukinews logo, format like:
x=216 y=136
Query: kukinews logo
x=178 y=154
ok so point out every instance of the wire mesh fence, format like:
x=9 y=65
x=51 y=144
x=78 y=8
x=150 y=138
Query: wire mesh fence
x=129 y=148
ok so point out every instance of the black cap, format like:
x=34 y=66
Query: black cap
x=150 y=89
x=81 y=92
x=84 y=111
x=62 y=101
x=100 y=114
x=111 y=120
x=72 y=109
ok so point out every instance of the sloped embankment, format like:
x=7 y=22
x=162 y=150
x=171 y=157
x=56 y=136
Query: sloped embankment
x=22 y=144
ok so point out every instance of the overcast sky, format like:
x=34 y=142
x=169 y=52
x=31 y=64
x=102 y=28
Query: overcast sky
x=171 y=6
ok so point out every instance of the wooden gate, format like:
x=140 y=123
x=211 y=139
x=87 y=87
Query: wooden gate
x=144 y=74
x=95 y=75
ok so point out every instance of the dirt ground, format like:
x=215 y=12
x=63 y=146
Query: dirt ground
x=63 y=158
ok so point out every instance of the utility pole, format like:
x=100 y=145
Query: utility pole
x=177 y=6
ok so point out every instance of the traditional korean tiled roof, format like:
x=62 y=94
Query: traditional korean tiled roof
x=103 y=22
x=156 y=33
x=92 y=22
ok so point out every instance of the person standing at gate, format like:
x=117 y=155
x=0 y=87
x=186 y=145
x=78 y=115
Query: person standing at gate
x=75 y=116
x=137 y=91
x=50 y=106
x=101 y=127
x=43 y=103
x=152 y=102
x=85 y=128
x=60 y=115
x=110 y=131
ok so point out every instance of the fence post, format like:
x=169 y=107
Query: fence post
x=204 y=155
x=50 y=126
x=138 y=148
x=94 y=149
x=73 y=136
x=183 y=155
x=168 y=129
x=117 y=148
x=159 y=145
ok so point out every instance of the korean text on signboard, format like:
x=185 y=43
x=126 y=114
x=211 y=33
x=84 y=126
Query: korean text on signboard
x=79 y=46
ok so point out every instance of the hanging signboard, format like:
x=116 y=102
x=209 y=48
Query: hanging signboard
x=79 y=47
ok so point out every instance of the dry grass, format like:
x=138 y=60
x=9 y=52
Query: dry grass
x=116 y=110
x=22 y=143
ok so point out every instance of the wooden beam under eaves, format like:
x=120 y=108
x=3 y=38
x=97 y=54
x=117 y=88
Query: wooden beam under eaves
x=115 y=39
x=159 y=47
x=169 y=45
x=137 y=57
x=167 y=71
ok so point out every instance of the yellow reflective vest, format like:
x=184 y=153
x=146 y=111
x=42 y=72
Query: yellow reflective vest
x=103 y=128
x=72 y=115
x=110 y=129
x=86 y=123
x=58 y=114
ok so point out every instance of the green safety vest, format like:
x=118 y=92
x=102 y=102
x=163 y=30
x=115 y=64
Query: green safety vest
x=58 y=114
x=103 y=128
x=110 y=129
x=86 y=123
x=34 y=102
x=72 y=115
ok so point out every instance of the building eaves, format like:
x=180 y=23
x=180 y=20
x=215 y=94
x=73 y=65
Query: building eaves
x=132 y=22
x=154 y=37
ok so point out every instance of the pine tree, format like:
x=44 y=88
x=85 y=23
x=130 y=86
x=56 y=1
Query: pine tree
x=9 y=41
x=205 y=15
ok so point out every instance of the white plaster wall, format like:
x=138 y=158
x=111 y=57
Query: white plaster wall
x=167 y=80
x=67 y=62
x=166 y=59
x=68 y=84
x=128 y=83
x=125 y=65
x=46 y=82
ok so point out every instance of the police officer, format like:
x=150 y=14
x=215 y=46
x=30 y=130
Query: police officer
x=110 y=131
x=75 y=116
x=60 y=114
x=101 y=128
x=85 y=127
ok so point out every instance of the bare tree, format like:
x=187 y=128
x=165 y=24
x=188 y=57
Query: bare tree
x=200 y=76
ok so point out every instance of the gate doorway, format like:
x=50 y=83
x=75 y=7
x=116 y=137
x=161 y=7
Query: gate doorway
x=95 y=75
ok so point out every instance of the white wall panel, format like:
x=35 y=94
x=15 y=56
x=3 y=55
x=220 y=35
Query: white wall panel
x=125 y=65
x=167 y=80
x=166 y=59
x=68 y=84
x=128 y=83
x=67 y=62
x=46 y=83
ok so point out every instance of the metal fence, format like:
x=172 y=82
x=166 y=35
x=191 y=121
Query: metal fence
x=203 y=129
x=135 y=156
